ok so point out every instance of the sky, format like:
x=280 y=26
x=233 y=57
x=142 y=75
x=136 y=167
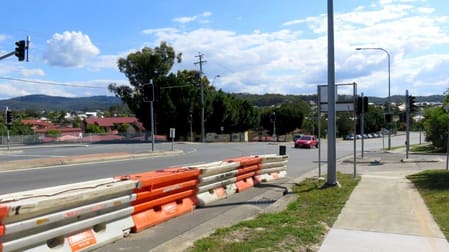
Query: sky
x=250 y=46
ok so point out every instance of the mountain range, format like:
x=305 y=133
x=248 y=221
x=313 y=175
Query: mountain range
x=93 y=103
x=57 y=103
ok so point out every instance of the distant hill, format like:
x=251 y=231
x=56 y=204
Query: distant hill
x=57 y=103
x=93 y=103
x=267 y=100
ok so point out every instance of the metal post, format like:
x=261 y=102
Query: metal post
x=447 y=147
x=319 y=130
x=331 y=144
x=362 y=126
x=354 y=113
x=152 y=117
x=407 y=131
x=152 y=126
x=191 y=127
x=274 y=127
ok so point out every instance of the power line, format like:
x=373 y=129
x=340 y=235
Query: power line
x=50 y=83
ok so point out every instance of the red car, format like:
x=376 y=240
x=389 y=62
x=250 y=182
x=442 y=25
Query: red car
x=306 y=141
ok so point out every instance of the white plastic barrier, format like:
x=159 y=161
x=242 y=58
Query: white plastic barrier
x=51 y=219
x=273 y=167
x=217 y=181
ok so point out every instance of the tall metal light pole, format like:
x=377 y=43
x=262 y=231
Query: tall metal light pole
x=331 y=126
x=389 y=94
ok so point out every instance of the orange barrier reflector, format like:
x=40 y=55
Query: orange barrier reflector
x=160 y=214
x=247 y=169
x=82 y=240
x=275 y=175
x=2 y=230
x=3 y=212
x=244 y=184
x=220 y=192
x=246 y=161
x=145 y=205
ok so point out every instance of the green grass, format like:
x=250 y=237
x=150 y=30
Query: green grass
x=301 y=227
x=425 y=148
x=433 y=186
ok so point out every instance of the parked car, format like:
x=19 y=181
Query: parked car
x=296 y=137
x=306 y=141
x=349 y=137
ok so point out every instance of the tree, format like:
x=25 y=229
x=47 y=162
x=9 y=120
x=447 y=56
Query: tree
x=436 y=123
x=140 y=68
x=374 y=119
x=345 y=124
x=288 y=117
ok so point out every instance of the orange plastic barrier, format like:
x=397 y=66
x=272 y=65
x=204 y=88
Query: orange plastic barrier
x=163 y=194
x=3 y=212
x=246 y=161
x=244 y=184
x=248 y=169
x=156 y=215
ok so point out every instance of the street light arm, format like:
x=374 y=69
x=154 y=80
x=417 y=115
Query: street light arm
x=389 y=93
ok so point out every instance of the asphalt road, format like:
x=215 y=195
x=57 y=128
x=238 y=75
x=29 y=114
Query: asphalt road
x=300 y=160
x=246 y=203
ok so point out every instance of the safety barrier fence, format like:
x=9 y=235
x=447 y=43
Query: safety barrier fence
x=83 y=216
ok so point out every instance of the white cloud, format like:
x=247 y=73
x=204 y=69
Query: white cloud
x=200 y=18
x=287 y=61
x=70 y=49
x=32 y=72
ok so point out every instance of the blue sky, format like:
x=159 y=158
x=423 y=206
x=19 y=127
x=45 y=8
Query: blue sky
x=255 y=46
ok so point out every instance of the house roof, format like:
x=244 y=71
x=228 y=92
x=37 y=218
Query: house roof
x=111 y=121
x=38 y=123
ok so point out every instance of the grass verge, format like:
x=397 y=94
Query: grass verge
x=425 y=148
x=433 y=186
x=301 y=227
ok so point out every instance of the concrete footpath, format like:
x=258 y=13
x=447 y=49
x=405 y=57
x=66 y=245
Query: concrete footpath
x=385 y=212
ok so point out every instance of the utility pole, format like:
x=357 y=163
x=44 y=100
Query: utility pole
x=201 y=61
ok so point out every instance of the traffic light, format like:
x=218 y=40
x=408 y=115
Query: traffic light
x=20 y=50
x=411 y=104
x=148 y=92
x=8 y=119
x=362 y=102
x=388 y=118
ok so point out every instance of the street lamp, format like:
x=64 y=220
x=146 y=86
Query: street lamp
x=388 y=100
x=216 y=76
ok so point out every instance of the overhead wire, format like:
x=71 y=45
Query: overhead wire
x=50 y=83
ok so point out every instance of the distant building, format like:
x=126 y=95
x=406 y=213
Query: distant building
x=41 y=127
x=110 y=124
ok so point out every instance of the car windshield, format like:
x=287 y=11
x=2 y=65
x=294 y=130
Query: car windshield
x=306 y=138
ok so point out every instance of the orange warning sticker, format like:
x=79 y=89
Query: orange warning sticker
x=82 y=240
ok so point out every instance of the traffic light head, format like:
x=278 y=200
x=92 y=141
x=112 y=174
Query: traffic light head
x=411 y=104
x=8 y=117
x=20 y=50
x=148 y=92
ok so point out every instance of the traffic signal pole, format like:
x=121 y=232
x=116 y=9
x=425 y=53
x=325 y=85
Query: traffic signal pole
x=7 y=128
x=21 y=50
